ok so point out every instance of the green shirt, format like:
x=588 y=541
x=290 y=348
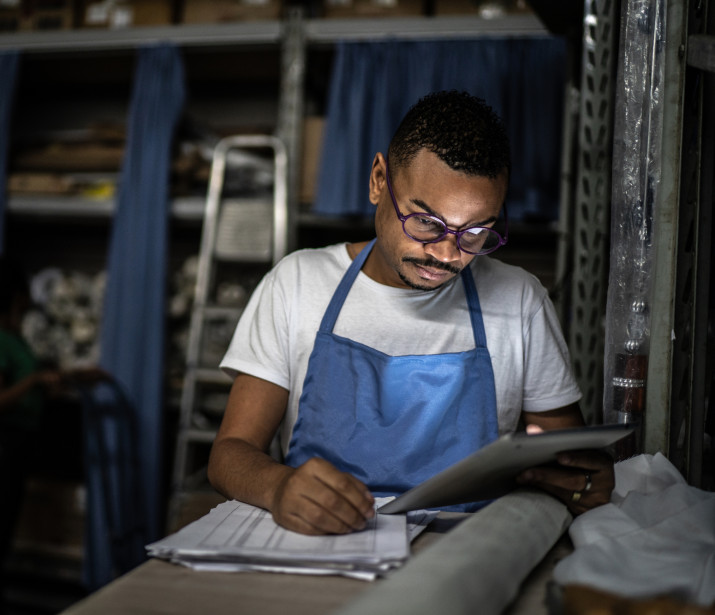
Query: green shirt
x=16 y=363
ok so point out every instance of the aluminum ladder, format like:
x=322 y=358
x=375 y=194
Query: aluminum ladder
x=237 y=233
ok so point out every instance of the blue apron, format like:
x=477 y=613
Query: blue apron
x=393 y=422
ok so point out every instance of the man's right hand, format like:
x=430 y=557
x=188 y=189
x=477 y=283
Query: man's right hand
x=317 y=498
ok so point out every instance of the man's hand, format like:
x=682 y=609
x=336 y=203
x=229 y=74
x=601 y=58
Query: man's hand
x=582 y=479
x=317 y=498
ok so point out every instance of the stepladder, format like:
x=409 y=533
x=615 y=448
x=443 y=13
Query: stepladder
x=244 y=233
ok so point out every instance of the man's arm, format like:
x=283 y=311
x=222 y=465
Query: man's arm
x=572 y=476
x=315 y=498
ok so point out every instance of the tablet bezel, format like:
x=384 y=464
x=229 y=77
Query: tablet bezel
x=491 y=471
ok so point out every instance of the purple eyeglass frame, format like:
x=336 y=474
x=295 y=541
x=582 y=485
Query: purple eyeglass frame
x=447 y=231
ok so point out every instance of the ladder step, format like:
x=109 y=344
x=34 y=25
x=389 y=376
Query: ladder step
x=207 y=375
x=202 y=436
x=223 y=257
x=216 y=312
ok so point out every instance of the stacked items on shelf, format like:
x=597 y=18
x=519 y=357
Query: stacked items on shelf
x=231 y=292
x=221 y=11
x=63 y=326
x=24 y=15
x=181 y=298
x=85 y=163
x=80 y=163
x=487 y=9
x=373 y=8
x=47 y=15
x=124 y=13
x=190 y=168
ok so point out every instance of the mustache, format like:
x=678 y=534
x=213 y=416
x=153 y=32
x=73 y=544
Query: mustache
x=432 y=263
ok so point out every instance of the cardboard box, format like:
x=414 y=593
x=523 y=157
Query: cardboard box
x=40 y=183
x=483 y=8
x=70 y=157
x=373 y=8
x=58 y=19
x=126 y=13
x=10 y=19
x=220 y=11
x=313 y=128
x=23 y=15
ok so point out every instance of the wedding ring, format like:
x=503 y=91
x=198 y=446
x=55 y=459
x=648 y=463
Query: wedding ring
x=587 y=476
x=575 y=496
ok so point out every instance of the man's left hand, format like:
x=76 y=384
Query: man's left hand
x=581 y=479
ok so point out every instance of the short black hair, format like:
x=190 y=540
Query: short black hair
x=463 y=130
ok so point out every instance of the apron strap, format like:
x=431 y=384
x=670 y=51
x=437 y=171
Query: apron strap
x=475 y=308
x=341 y=292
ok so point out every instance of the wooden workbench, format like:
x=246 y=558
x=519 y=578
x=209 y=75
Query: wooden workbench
x=158 y=587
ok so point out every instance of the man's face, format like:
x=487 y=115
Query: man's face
x=428 y=185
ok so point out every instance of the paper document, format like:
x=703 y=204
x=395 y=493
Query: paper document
x=236 y=536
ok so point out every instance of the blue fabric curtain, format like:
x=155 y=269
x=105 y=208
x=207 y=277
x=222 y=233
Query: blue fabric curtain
x=9 y=61
x=115 y=526
x=132 y=335
x=374 y=83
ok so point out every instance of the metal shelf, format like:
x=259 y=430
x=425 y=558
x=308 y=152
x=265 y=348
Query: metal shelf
x=272 y=32
x=189 y=209
x=459 y=26
x=188 y=35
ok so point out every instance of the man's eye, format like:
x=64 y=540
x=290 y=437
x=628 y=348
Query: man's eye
x=426 y=223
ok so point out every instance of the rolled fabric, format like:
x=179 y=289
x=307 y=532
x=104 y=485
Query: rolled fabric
x=475 y=568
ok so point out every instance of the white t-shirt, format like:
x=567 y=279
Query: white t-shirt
x=276 y=332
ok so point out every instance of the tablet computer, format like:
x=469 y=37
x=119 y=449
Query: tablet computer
x=492 y=470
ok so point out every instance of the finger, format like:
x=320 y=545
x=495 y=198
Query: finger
x=354 y=491
x=338 y=503
x=349 y=487
x=305 y=508
x=586 y=459
x=327 y=499
x=597 y=469
x=575 y=500
x=309 y=519
x=563 y=480
x=313 y=518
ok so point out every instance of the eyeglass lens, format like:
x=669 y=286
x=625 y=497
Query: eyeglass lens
x=474 y=240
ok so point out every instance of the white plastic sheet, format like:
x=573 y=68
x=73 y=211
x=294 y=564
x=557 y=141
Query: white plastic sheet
x=655 y=538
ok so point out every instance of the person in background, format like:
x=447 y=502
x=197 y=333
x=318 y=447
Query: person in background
x=23 y=387
x=24 y=390
x=381 y=363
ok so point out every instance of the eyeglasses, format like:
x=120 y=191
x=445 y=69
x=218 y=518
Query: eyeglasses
x=426 y=228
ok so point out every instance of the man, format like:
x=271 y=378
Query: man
x=385 y=362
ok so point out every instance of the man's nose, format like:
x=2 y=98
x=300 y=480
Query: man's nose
x=445 y=250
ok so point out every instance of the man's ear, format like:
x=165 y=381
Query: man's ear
x=378 y=180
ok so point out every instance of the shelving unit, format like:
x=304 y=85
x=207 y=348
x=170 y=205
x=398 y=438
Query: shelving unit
x=292 y=38
x=218 y=58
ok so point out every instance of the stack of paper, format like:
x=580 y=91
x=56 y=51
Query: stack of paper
x=235 y=536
